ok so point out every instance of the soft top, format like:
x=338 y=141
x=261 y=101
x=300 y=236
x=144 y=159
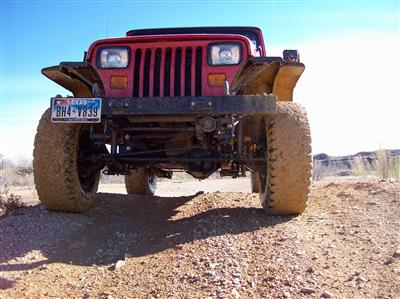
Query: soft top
x=253 y=33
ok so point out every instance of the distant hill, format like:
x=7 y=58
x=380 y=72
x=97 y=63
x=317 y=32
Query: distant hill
x=381 y=163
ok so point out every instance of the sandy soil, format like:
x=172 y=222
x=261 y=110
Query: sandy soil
x=211 y=245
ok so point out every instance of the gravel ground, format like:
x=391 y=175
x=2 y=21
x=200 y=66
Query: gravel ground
x=211 y=245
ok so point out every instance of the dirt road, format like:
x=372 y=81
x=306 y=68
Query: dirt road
x=216 y=245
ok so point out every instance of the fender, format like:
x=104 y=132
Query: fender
x=268 y=75
x=78 y=77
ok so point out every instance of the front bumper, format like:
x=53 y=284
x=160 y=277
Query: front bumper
x=196 y=106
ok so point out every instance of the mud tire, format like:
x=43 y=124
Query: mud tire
x=141 y=182
x=55 y=167
x=255 y=182
x=285 y=187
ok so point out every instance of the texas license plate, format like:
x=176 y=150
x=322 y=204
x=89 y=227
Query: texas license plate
x=76 y=110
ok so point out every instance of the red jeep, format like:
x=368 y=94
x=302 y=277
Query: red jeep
x=181 y=99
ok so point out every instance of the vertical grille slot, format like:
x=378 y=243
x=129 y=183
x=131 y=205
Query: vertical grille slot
x=178 y=63
x=157 y=68
x=146 y=73
x=188 y=71
x=136 y=73
x=167 y=72
x=199 y=63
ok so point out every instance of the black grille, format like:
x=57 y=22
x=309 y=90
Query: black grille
x=153 y=63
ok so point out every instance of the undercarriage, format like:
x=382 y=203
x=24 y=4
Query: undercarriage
x=198 y=135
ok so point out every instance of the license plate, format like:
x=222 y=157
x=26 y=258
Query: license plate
x=76 y=110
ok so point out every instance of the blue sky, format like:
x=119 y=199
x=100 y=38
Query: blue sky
x=36 y=34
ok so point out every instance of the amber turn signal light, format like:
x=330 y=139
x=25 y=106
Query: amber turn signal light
x=216 y=80
x=118 y=82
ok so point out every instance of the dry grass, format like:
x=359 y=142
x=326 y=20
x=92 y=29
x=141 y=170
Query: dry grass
x=359 y=168
x=13 y=174
x=387 y=166
x=9 y=202
x=332 y=168
x=383 y=163
x=319 y=171
x=384 y=166
x=363 y=168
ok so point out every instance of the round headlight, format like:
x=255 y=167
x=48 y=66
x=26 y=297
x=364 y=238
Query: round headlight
x=114 y=57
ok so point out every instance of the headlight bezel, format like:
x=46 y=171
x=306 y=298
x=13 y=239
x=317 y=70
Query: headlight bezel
x=101 y=49
x=209 y=55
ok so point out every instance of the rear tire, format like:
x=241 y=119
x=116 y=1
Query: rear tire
x=255 y=182
x=285 y=183
x=141 y=182
x=64 y=180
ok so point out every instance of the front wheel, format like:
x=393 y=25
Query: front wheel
x=285 y=181
x=65 y=179
x=141 y=182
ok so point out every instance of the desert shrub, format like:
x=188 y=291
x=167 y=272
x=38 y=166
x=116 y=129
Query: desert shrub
x=329 y=167
x=360 y=168
x=9 y=202
x=388 y=166
x=383 y=163
x=394 y=168
x=18 y=173
x=318 y=170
